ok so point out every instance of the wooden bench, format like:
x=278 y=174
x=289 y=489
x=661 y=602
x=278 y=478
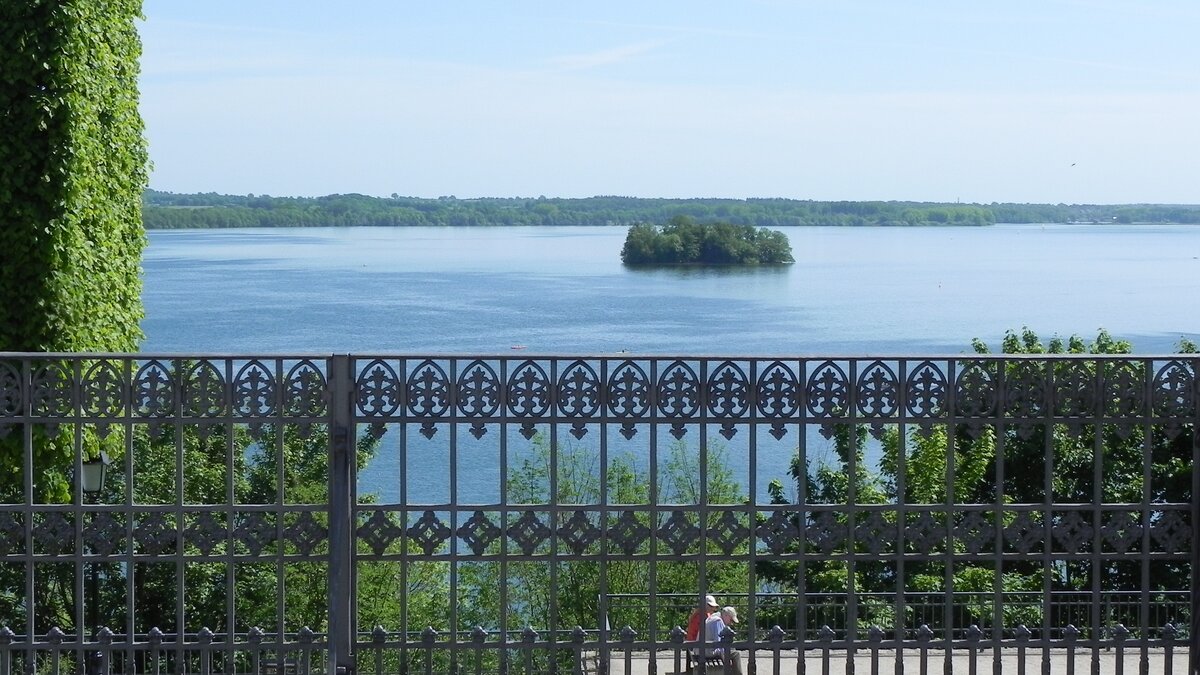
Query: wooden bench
x=710 y=660
x=275 y=667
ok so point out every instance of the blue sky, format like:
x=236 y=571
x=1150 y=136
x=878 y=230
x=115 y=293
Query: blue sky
x=1047 y=101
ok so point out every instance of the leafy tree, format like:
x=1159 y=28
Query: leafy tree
x=1073 y=456
x=976 y=467
x=164 y=210
x=682 y=240
x=578 y=582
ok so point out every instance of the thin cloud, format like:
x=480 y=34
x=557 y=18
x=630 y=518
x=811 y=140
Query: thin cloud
x=604 y=57
x=665 y=28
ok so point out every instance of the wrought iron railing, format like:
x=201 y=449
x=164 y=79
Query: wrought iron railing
x=1068 y=608
x=484 y=514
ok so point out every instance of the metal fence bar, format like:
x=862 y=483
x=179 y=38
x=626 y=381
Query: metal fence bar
x=342 y=622
x=1194 y=629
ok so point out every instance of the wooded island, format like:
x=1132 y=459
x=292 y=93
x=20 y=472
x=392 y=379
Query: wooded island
x=682 y=241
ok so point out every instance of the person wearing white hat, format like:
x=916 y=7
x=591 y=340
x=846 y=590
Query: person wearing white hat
x=708 y=605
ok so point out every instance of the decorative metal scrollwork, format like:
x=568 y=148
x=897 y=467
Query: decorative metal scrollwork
x=875 y=533
x=1025 y=533
x=54 y=533
x=429 y=532
x=1075 y=393
x=1072 y=532
x=779 y=532
x=729 y=532
x=679 y=533
x=12 y=533
x=678 y=391
x=379 y=531
x=12 y=393
x=52 y=391
x=1122 y=531
x=828 y=391
x=778 y=391
x=877 y=391
x=1174 y=391
x=1174 y=396
x=579 y=532
x=428 y=390
x=628 y=391
x=826 y=532
x=976 y=396
x=926 y=534
x=628 y=533
x=528 y=391
x=104 y=534
x=528 y=532
x=255 y=390
x=203 y=391
x=925 y=394
x=478 y=390
x=306 y=533
x=154 y=390
x=478 y=532
x=728 y=391
x=104 y=390
x=305 y=393
x=1025 y=395
x=378 y=390
x=976 y=532
x=255 y=531
x=975 y=390
x=1171 y=532
x=1123 y=390
x=579 y=390
x=155 y=534
x=205 y=532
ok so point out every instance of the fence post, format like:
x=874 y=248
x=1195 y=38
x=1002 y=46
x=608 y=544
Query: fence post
x=341 y=515
x=1194 y=651
x=1194 y=619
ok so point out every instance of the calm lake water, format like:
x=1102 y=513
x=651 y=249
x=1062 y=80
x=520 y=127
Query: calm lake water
x=564 y=290
x=852 y=291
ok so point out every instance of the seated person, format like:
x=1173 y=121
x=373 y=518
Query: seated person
x=713 y=626
x=707 y=606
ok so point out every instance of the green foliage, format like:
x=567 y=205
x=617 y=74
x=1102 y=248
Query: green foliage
x=682 y=240
x=184 y=465
x=578 y=582
x=73 y=165
x=165 y=210
x=915 y=469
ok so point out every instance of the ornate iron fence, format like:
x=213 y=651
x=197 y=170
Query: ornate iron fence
x=481 y=514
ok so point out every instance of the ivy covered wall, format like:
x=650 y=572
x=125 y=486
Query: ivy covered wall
x=73 y=165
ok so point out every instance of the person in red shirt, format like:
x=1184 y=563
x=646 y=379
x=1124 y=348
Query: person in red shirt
x=699 y=616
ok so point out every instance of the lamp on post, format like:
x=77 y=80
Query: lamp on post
x=91 y=481
x=92 y=472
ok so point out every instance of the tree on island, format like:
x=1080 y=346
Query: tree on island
x=683 y=241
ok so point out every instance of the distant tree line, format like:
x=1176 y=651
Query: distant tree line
x=166 y=210
x=684 y=241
